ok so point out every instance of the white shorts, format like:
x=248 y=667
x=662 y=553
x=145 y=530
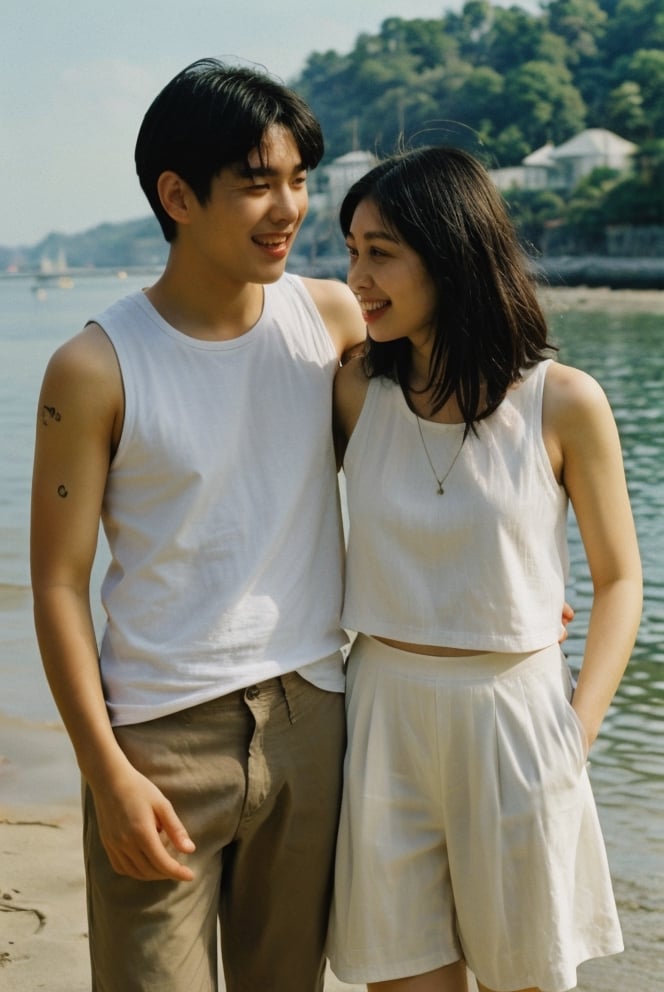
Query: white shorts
x=468 y=827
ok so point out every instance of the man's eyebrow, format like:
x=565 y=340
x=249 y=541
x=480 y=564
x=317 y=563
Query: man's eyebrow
x=262 y=171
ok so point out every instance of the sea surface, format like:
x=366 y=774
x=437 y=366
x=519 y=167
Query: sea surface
x=625 y=352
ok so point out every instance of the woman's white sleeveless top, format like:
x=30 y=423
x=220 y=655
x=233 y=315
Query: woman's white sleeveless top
x=481 y=567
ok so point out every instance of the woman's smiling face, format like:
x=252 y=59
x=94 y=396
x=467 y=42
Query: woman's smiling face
x=396 y=293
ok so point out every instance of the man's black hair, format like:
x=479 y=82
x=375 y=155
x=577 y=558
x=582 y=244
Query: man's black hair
x=211 y=116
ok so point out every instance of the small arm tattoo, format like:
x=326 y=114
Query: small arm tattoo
x=49 y=414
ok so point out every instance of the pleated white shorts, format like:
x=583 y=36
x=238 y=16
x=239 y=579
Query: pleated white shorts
x=468 y=826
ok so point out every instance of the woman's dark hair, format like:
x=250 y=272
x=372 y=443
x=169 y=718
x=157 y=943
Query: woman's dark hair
x=489 y=325
x=211 y=116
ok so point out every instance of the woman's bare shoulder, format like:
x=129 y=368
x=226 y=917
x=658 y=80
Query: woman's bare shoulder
x=570 y=393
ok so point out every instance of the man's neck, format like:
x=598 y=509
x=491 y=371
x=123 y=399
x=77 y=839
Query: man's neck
x=208 y=308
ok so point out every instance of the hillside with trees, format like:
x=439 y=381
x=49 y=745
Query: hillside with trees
x=502 y=82
x=499 y=81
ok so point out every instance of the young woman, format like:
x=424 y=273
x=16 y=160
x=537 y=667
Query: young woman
x=468 y=828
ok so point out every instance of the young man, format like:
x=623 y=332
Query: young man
x=194 y=419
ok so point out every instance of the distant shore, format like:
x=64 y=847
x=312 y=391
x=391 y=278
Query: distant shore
x=565 y=271
x=556 y=298
x=602 y=271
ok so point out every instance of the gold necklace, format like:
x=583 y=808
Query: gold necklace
x=440 y=481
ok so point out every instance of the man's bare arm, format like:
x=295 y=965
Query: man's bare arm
x=78 y=424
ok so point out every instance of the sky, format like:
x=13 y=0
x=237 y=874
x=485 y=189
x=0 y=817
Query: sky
x=76 y=78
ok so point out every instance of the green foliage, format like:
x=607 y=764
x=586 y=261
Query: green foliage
x=646 y=69
x=586 y=209
x=531 y=212
x=638 y=199
x=625 y=108
x=502 y=81
x=632 y=25
x=512 y=78
x=498 y=80
x=516 y=37
x=582 y=25
x=544 y=101
x=510 y=146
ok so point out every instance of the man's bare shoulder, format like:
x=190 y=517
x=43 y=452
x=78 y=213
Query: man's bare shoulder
x=324 y=289
x=86 y=365
x=339 y=310
x=90 y=348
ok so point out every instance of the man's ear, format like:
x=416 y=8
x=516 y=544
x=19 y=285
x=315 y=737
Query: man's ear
x=175 y=195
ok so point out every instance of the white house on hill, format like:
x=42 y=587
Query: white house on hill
x=561 y=168
x=344 y=171
x=592 y=149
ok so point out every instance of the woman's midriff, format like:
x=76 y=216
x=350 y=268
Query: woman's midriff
x=432 y=649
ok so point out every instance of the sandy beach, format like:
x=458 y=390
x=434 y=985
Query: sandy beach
x=43 y=939
x=43 y=928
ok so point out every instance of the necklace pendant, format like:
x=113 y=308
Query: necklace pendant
x=440 y=491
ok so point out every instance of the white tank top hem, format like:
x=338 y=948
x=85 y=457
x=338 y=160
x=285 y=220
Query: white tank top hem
x=221 y=509
x=482 y=567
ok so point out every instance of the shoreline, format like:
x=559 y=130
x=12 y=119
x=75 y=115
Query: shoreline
x=596 y=271
x=633 y=273
x=43 y=925
x=556 y=298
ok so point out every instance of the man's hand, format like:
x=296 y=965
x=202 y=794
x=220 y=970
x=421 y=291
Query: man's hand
x=137 y=824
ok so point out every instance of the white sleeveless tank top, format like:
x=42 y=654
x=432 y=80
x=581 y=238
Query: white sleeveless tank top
x=481 y=567
x=221 y=509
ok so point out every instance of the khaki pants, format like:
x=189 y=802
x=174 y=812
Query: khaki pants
x=255 y=776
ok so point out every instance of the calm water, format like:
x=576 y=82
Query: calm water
x=626 y=355
x=32 y=325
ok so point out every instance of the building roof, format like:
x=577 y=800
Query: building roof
x=355 y=158
x=593 y=141
x=541 y=156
